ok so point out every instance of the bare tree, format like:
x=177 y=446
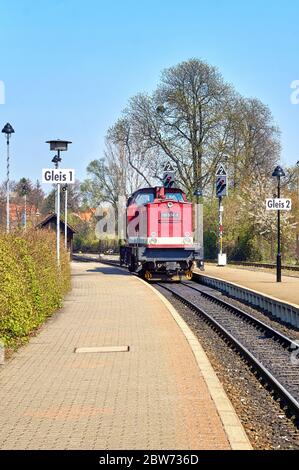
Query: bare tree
x=137 y=159
x=253 y=146
x=194 y=119
x=107 y=177
x=185 y=120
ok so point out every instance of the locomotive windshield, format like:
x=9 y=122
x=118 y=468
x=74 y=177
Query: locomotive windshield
x=177 y=196
x=147 y=195
x=144 y=198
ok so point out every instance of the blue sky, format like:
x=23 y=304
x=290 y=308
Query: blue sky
x=70 y=66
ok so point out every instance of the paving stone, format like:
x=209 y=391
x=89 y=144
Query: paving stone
x=152 y=397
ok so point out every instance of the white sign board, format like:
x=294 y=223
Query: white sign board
x=168 y=167
x=221 y=171
x=59 y=175
x=278 y=204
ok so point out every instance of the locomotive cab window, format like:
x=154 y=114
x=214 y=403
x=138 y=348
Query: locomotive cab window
x=175 y=196
x=142 y=199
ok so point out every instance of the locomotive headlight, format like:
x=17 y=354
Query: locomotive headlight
x=153 y=234
x=187 y=234
x=187 y=241
x=153 y=241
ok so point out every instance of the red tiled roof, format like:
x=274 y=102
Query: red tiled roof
x=86 y=215
x=16 y=211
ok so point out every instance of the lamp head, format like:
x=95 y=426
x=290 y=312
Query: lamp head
x=58 y=144
x=197 y=192
x=8 y=129
x=278 y=172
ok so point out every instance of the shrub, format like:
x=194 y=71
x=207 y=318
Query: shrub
x=247 y=247
x=32 y=285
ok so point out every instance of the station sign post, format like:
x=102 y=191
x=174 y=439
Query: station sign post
x=59 y=176
x=221 y=191
x=278 y=204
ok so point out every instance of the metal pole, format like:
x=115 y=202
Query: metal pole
x=65 y=218
x=278 y=264
x=58 y=221
x=25 y=212
x=7 y=187
x=199 y=227
x=220 y=227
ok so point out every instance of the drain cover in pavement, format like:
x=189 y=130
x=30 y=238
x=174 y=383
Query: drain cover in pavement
x=103 y=349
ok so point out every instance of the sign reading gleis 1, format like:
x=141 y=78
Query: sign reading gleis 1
x=278 y=204
x=59 y=175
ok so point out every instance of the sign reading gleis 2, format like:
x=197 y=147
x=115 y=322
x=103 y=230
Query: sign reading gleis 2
x=278 y=204
x=59 y=175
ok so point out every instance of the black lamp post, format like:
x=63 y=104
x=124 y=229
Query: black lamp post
x=58 y=146
x=7 y=130
x=278 y=173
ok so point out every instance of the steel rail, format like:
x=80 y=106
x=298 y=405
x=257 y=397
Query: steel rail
x=268 y=377
x=250 y=318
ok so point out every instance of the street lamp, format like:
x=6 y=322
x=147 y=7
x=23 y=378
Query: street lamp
x=278 y=173
x=58 y=146
x=7 y=130
x=65 y=190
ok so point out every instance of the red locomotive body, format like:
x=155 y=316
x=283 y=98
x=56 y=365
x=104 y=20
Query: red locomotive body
x=160 y=241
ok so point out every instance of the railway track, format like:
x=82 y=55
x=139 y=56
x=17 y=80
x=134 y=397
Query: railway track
x=266 y=350
x=240 y=263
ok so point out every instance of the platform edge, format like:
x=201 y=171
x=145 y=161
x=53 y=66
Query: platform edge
x=263 y=294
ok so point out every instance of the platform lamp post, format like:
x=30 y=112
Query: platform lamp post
x=7 y=130
x=278 y=173
x=58 y=146
x=65 y=190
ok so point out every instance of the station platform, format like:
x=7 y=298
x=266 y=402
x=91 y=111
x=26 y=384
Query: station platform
x=258 y=281
x=151 y=388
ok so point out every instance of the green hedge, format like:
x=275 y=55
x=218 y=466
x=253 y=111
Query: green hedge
x=31 y=285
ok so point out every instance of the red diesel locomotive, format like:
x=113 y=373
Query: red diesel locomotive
x=159 y=242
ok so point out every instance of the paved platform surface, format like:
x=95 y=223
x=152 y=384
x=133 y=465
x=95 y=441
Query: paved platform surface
x=287 y=290
x=152 y=397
